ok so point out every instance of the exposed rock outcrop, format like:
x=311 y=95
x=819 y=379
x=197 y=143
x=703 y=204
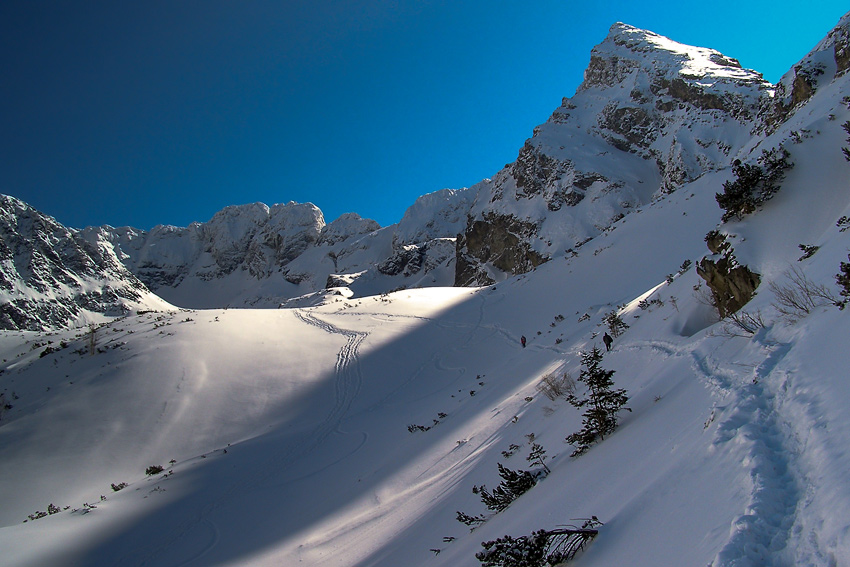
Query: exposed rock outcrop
x=496 y=244
x=732 y=285
x=829 y=60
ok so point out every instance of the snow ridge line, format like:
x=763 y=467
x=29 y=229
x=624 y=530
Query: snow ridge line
x=761 y=533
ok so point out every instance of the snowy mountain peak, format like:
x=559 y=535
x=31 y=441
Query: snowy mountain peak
x=347 y=226
x=435 y=215
x=627 y=48
x=651 y=115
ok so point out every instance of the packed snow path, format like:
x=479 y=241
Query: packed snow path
x=752 y=431
x=760 y=534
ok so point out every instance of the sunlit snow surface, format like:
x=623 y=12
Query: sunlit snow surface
x=288 y=428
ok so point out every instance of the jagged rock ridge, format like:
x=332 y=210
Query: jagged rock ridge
x=261 y=256
x=51 y=276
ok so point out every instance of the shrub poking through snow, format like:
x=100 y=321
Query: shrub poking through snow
x=603 y=403
x=51 y=509
x=753 y=184
x=541 y=548
x=808 y=251
x=470 y=520
x=154 y=469
x=798 y=295
x=554 y=385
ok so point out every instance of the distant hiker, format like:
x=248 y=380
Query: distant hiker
x=607 y=340
x=522 y=340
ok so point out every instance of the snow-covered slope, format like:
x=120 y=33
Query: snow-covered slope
x=352 y=432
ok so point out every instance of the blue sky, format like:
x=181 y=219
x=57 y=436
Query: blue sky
x=164 y=112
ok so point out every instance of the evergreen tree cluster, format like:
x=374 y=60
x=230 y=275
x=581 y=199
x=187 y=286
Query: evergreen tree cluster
x=602 y=403
x=754 y=184
x=508 y=551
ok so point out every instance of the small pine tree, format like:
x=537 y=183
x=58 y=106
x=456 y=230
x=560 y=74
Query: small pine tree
x=753 y=184
x=843 y=280
x=514 y=484
x=736 y=198
x=615 y=323
x=603 y=403
x=538 y=456
x=845 y=150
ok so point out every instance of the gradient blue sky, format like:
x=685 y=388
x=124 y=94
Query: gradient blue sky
x=164 y=112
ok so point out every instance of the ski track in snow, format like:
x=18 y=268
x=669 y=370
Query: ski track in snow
x=349 y=377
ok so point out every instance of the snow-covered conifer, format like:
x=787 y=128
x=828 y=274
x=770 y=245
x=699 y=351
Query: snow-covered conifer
x=602 y=401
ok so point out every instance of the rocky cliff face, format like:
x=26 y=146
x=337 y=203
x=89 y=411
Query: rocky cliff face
x=730 y=284
x=51 y=277
x=253 y=238
x=650 y=116
x=260 y=256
